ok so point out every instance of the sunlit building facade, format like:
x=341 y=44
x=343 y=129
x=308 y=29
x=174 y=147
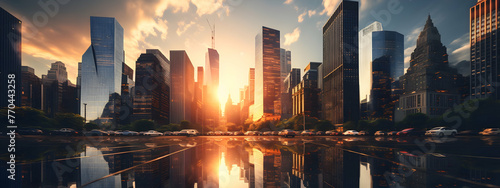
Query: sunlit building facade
x=10 y=56
x=182 y=88
x=101 y=71
x=366 y=57
x=430 y=84
x=340 y=65
x=212 y=105
x=485 y=74
x=267 y=73
x=152 y=89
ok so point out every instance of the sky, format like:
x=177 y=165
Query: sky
x=59 y=30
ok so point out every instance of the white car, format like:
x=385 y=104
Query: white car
x=351 y=132
x=490 y=131
x=189 y=132
x=129 y=133
x=153 y=133
x=379 y=133
x=441 y=131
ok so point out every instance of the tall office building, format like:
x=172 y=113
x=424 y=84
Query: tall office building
x=387 y=66
x=31 y=87
x=485 y=74
x=340 y=65
x=285 y=65
x=199 y=96
x=306 y=94
x=251 y=85
x=152 y=89
x=182 y=88
x=127 y=95
x=212 y=107
x=59 y=95
x=101 y=71
x=267 y=73
x=10 y=57
x=366 y=57
x=430 y=84
x=289 y=83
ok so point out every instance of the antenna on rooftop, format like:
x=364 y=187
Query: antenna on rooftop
x=212 y=28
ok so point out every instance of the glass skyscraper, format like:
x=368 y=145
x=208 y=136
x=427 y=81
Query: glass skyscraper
x=484 y=41
x=10 y=56
x=391 y=45
x=182 y=87
x=366 y=58
x=267 y=73
x=101 y=70
x=340 y=65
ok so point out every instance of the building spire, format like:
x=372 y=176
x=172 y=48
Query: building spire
x=429 y=23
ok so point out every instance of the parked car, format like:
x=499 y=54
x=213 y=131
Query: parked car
x=441 y=131
x=65 y=132
x=267 y=133
x=392 y=133
x=239 y=133
x=210 y=133
x=351 y=133
x=306 y=133
x=111 y=133
x=364 y=133
x=320 y=133
x=410 y=132
x=490 y=131
x=29 y=131
x=468 y=132
x=333 y=133
x=118 y=132
x=189 y=132
x=287 y=133
x=129 y=133
x=153 y=133
x=218 y=133
x=379 y=133
x=228 y=133
x=176 y=133
x=167 y=133
x=97 y=132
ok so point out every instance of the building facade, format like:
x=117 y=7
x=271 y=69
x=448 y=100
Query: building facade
x=366 y=57
x=31 y=88
x=292 y=80
x=485 y=74
x=10 y=56
x=430 y=84
x=340 y=65
x=182 y=88
x=212 y=105
x=306 y=94
x=101 y=71
x=152 y=87
x=267 y=73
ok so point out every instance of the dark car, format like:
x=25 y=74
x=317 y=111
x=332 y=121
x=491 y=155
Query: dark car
x=97 y=132
x=410 y=132
x=65 y=132
x=29 y=131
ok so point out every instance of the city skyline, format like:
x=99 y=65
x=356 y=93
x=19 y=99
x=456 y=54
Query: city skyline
x=234 y=61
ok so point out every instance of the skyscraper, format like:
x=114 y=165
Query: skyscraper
x=387 y=66
x=484 y=41
x=305 y=95
x=290 y=82
x=182 y=88
x=430 y=84
x=285 y=66
x=212 y=107
x=340 y=65
x=101 y=71
x=152 y=89
x=10 y=57
x=199 y=96
x=267 y=73
x=127 y=95
x=32 y=94
x=58 y=93
x=366 y=57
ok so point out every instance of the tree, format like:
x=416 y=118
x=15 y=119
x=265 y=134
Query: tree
x=91 y=125
x=185 y=124
x=28 y=117
x=383 y=124
x=69 y=120
x=323 y=125
x=143 y=125
x=417 y=121
x=350 y=125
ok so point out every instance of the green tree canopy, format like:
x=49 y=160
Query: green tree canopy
x=143 y=125
x=69 y=120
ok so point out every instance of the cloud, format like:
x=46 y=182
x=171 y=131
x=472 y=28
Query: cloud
x=301 y=17
x=292 y=37
x=407 y=54
x=287 y=2
x=413 y=35
x=460 y=40
x=176 y=5
x=208 y=6
x=183 y=27
x=460 y=54
x=311 y=13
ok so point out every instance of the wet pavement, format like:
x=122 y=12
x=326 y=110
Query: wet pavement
x=259 y=161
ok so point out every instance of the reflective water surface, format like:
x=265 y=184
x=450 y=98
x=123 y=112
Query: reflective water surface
x=254 y=162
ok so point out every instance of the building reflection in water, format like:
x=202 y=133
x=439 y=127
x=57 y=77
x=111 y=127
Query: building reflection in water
x=209 y=163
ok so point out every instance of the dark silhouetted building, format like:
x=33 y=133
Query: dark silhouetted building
x=59 y=95
x=484 y=41
x=430 y=84
x=31 y=91
x=340 y=65
x=305 y=95
x=182 y=88
x=152 y=87
x=127 y=95
x=10 y=57
x=292 y=80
